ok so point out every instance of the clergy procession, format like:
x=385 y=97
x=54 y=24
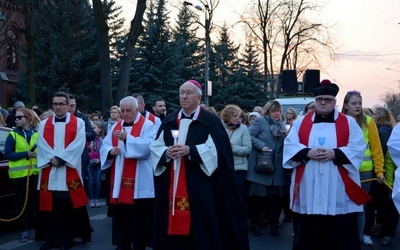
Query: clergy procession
x=195 y=178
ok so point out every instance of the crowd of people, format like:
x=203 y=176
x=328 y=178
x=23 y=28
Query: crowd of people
x=330 y=168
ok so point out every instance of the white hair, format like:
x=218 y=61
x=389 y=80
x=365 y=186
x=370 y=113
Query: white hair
x=129 y=99
x=198 y=90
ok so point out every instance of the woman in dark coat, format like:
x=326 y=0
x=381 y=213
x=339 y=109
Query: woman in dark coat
x=267 y=133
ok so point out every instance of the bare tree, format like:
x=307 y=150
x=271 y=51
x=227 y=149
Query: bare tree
x=287 y=36
x=392 y=102
x=134 y=33
x=102 y=29
x=303 y=39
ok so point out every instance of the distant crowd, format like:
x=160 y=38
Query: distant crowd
x=197 y=178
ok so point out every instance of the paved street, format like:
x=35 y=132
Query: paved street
x=101 y=237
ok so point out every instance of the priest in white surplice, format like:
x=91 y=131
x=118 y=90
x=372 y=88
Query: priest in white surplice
x=394 y=149
x=325 y=148
x=63 y=215
x=126 y=151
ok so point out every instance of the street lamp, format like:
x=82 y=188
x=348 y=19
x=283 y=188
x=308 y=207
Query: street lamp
x=207 y=60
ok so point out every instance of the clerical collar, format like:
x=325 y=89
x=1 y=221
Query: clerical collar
x=329 y=118
x=127 y=124
x=185 y=116
x=130 y=124
x=60 y=119
x=193 y=115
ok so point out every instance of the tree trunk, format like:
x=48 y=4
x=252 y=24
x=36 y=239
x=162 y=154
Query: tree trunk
x=30 y=81
x=136 y=30
x=104 y=54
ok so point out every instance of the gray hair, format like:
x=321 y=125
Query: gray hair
x=129 y=99
x=18 y=105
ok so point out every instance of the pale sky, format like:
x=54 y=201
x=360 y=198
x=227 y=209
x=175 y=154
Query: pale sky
x=368 y=32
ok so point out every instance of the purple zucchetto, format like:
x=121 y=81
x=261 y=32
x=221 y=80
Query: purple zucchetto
x=195 y=83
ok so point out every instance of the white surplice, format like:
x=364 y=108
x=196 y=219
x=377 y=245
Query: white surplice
x=135 y=147
x=157 y=120
x=207 y=150
x=71 y=154
x=394 y=150
x=323 y=192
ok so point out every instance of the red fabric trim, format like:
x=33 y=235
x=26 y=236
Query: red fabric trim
x=353 y=190
x=45 y=195
x=179 y=223
x=74 y=183
x=126 y=192
x=152 y=118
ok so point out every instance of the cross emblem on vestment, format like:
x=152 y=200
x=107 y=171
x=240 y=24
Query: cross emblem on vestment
x=74 y=184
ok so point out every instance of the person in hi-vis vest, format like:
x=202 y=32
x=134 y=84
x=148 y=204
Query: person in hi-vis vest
x=20 y=150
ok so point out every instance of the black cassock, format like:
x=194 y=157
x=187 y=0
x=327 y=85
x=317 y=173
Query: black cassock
x=218 y=219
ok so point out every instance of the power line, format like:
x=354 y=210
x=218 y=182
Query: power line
x=340 y=54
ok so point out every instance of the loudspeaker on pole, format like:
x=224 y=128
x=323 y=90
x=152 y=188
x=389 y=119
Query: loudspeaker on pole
x=311 y=78
x=288 y=81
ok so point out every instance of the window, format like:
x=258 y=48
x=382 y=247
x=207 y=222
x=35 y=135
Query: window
x=12 y=57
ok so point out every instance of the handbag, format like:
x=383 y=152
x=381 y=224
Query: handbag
x=265 y=162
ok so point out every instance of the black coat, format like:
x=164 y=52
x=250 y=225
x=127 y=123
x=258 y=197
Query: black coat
x=217 y=213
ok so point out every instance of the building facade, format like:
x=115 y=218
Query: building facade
x=12 y=48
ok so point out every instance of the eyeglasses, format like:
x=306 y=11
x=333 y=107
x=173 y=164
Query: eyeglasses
x=326 y=100
x=354 y=92
x=60 y=104
x=19 y=117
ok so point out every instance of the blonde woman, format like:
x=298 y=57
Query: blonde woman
x=267 y=133
x=240 y=139
x=372 y=165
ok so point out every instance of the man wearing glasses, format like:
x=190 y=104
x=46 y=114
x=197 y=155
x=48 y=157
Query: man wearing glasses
x=198 y=205
x=63 y=215
x=325 y=149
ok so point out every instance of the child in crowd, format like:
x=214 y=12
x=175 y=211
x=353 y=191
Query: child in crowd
x=94 y=168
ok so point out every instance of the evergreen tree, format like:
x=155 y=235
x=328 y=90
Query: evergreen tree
x=153 y=73
x=67 y=53
x=188 y=57
x=227 y=63
x=249 y=78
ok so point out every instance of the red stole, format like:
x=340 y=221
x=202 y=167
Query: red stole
x=353 y=190
x=152 y=118
x=126 y=191
x=179 y=223
x=74 y=183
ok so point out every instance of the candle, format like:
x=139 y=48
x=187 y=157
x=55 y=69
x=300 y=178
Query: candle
x=321 y=142
x=175 y=135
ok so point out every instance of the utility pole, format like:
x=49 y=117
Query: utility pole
x=206 y=10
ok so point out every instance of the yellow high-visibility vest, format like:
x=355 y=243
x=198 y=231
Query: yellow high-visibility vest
x=19 y=168
x=367 y=164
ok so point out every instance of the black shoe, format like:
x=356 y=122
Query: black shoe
x=123 y=248
x=66 y=246
x=47 y=246
x=377 y=232
x=386 y=241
